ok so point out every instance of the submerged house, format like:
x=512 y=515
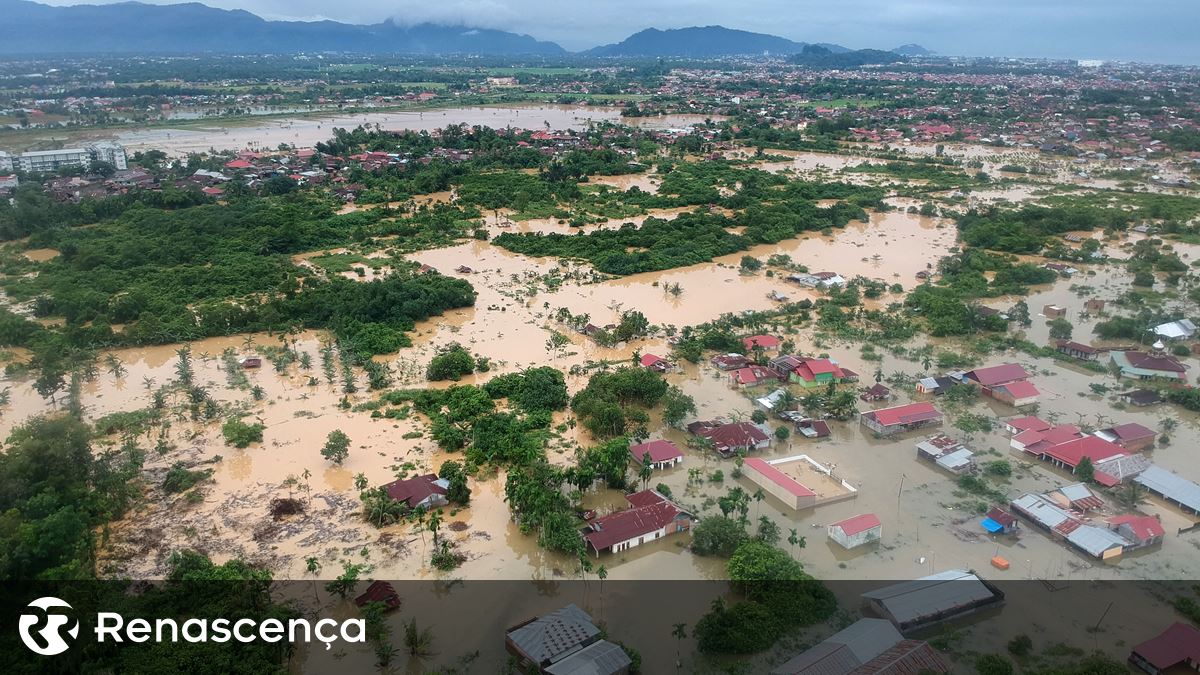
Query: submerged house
x=650 y=516
x=663 y=454
x=426 y=491
x=1141 y=531
x=947 y=453
x=866 y=646
x=917 y=604
x=1149 y=366
x=901 y=418
x=876 y=393
x=1078 y=350
x=729 y=439
x=856 y=531
x=1177 y=649
x=1008 y=382
x=1133 y=437
x=564 y=642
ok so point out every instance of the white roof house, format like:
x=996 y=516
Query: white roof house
x=1174 y=330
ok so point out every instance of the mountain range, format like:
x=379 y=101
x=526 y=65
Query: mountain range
x=134 y=27
x=701 y=42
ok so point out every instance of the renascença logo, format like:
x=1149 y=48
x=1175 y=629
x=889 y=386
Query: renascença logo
x=47 y=639
x=51 y=641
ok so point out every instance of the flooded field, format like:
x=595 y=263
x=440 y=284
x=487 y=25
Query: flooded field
x=306 y=131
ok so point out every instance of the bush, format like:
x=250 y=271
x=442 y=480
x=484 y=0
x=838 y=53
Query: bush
x=450 y=363
x=718 y=535
x=180 y=479
x=239 y=434
x=993 y=664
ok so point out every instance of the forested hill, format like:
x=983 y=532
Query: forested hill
x=700 y=42
x=134 y=27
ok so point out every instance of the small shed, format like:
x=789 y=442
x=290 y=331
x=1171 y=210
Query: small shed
x=857 y=531
x=999 y=521
x=876 y=393
x=810 y=428
x=1054 y=312
x=251 y=362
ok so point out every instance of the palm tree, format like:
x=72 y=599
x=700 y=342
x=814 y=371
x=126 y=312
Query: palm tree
x=679 y=632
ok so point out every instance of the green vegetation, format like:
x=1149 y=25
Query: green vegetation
x=55 y=490
x=451 y=362
x=240 y=435
x=614 y=402
x=181 y=479
x=337 y=447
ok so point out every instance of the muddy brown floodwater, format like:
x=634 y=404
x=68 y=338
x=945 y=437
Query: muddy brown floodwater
x=928 y=524
x=306 y=131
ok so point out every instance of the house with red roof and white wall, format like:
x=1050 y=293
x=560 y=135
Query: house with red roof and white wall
x=650 y=516
x=1007 y=382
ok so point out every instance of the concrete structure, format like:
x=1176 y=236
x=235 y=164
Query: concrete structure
x=778 y=484
x=774 y=478
x=564 y=642
x=913 y=605
x=856 y=531
x=49 y=161
x=865 y=646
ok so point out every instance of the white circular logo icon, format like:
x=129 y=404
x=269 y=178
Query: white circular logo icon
x=47 y=639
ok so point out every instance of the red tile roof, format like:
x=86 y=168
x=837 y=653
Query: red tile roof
x=413 y=491
x=1151 y=362
x=379 y=591
x=1143 y=527
x=650 y=359
x=1001 y=374
x=1019 y=390
x=858 y=524
x=905 y=414
x=779 y=478
x=1132 y=431
x=1092 y=447
x=1174 y=646
x=736 y=435
x=632 y=522
x=763 y=341
x=659 y=450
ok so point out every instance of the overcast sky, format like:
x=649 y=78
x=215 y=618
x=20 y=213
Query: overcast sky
x=1145 y=30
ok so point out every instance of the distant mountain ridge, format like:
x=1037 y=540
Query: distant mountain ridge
x=911 y=49
x=28 y=27
x=701 y=42
x=134 y=27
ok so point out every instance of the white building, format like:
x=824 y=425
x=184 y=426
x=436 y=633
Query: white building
x=6 y=162
x=109 y=152
x=49 y=161
x=857 y=531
